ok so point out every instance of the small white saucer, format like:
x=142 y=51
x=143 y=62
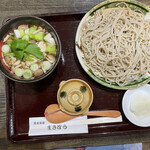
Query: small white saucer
x=126 y=106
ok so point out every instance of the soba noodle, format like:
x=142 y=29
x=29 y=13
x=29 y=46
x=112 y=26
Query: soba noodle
x=116 y=45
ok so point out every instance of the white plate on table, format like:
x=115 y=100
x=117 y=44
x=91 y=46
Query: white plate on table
x=127 y=98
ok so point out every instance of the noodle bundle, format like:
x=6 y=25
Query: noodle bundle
x=116 y=45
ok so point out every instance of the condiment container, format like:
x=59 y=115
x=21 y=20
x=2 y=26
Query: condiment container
x=74 y=96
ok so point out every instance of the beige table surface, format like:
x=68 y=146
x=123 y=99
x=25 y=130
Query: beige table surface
x=23 y=7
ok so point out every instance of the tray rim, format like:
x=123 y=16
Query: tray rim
x=8 y=103
x=6 y=19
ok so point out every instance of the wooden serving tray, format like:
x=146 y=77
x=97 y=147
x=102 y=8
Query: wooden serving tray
x=30 y=100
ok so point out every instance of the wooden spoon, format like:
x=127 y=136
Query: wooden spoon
x=51 y=109
x=54 y=115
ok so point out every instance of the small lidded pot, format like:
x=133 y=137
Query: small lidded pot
x=74 y=97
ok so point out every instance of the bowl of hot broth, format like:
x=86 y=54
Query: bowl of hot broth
x=30 y=49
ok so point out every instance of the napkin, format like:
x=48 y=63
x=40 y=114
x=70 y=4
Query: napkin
x=40 y=126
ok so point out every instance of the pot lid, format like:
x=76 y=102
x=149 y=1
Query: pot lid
x=74 y=96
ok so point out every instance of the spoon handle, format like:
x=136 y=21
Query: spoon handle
x=105 y=113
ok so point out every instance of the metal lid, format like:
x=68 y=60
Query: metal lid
x=74 y=96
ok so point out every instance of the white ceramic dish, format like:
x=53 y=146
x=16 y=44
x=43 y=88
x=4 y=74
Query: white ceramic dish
x=126 y=106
